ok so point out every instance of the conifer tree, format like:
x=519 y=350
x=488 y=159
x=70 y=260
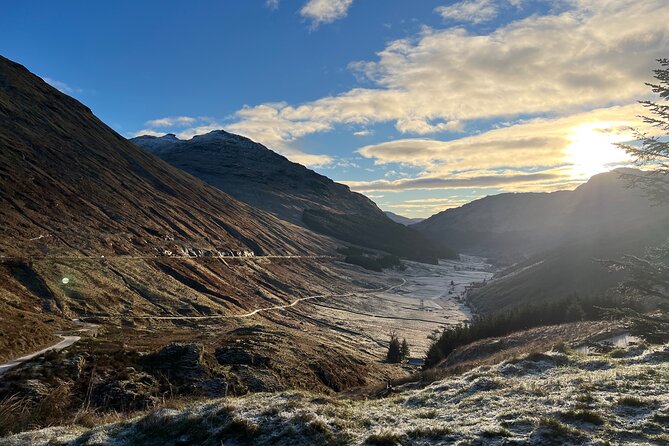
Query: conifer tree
x=394 y=355
x=404 y=350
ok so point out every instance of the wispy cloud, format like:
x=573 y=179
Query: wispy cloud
x=440 y=79
x=272 y=4
x=469 y=181
x=62 y=86
x=474 y=11
x=171 y=122
x=325 y=11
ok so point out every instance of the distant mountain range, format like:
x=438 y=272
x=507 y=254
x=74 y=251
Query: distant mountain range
x=406 y=221
x=552 y=238
x=252 y=173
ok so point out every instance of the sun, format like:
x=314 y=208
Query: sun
x=593 y=149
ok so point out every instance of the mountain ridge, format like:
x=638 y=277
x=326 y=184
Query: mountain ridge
x=552 y=241
x=264 y=179
x=51 y=205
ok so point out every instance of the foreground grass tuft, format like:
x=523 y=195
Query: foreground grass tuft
x=385 y=438
x=632 y=401
x=584 y=416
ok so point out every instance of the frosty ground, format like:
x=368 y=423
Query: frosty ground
x=425 y=302
x=557 y=397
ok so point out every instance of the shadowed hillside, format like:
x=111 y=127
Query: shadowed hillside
x=252 y=173
x=97 y=230
x=71 y=185
x=515 y=226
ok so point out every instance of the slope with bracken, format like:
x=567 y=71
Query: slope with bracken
x=262 y=178
x=71 y=185
x=79 y=202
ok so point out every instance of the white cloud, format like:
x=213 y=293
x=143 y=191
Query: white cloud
x=171 y=121
x=325 y=11
x=365 y=132
x=592 y=54
x=421 y=126
x=272 y=4
x=535 y=142
x=538 y=154
x=185 y=127
x=62 y=86
x=474 y=11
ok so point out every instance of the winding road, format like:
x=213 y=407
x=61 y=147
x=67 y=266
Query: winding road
x=70 y=340
x=64 y=343
x=272 y=308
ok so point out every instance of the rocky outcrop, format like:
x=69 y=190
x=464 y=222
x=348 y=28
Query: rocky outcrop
x=136 y=391
x=240 y=356
x=180 y=363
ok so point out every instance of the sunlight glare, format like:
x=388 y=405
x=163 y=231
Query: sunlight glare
x=593 y=150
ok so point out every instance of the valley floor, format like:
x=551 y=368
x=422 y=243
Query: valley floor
x=428 y=298
x=619 y=396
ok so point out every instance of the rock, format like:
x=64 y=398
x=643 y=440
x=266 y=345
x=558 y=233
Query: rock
x=215 y=387
x=180 y=362
x=239 y=356
x=136 y=392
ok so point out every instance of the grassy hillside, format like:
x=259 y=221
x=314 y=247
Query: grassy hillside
x=565 y=271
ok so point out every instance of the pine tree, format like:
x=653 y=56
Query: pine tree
x=651 y=151
x=404 y=350
x=648 y=276
x=394 y=355
x=575 y=312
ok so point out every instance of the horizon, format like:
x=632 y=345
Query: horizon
x=419 y=107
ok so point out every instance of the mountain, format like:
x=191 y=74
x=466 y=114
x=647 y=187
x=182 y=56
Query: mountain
x=71 y=185
x=256 y=175
x=552 y=238
x=406 y=221
x=96 y=230
x=516 y=226
x=79 y=202
x=262 y=178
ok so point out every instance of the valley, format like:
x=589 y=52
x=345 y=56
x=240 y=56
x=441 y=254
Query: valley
x=461 y=238
x=418 y=301
x=423 y=303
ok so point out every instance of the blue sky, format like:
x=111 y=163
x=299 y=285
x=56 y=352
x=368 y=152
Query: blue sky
x=421 y=105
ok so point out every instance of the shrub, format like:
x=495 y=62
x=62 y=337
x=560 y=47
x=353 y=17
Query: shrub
x=386 y=438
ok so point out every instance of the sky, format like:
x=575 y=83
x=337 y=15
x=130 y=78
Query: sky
x=422 y=105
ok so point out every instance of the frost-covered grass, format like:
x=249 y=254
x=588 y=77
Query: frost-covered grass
x=552 y=398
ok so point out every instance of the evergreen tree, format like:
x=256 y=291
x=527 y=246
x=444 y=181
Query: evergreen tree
x=575 y=312
x=652 y=151
x=648 y=276
x=394 y=355
x=404 y=350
